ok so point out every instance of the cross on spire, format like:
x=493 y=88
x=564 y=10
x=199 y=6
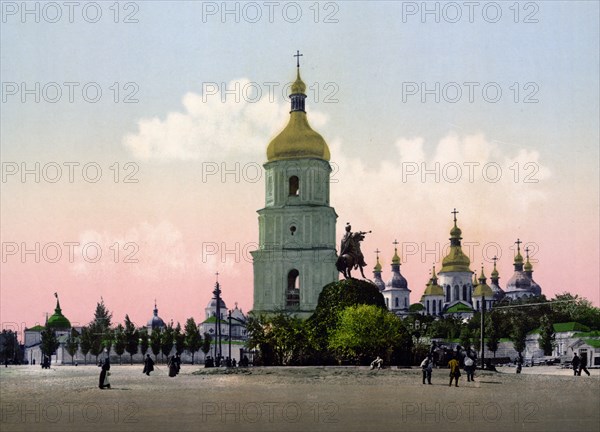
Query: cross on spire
x=527 y=251
x=298 y=55
x=395 y=243
x=217 y=275
x=518 y=243
x=377 y=251
x=454 y=212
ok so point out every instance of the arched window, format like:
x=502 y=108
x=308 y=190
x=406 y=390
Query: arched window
x=427 y=302
x=440 y=306
x=477 y=304
x=293 y=289
x=405 y=302
x=447 y=293
x=465 y=298
x=387 y=303
x=434 y=307
x=294 y=186
x=396 y=302
x=456 y=293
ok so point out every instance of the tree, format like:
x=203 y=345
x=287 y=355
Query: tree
x=144 y=340
x=518 y=336
x=567 y=307
x=72 y=344
x=465 y=338
x=100 y=333
x=9 y=345
x=206 y=341
x=492 y=334
x=547 y=336
x=193 y=340
x=96 y=337
x=179 y=338
x=120 y=341
x=366 y=331
x=131 y=338
x=334 y=298
x=155 y=342
x=167 y=340
x=280 y=338
x=49 y=343
x=85 y=343
x=102 y=316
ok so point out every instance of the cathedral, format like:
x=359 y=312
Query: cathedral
x=296 y=252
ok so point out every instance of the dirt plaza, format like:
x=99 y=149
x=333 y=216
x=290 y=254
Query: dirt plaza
x=67 y=398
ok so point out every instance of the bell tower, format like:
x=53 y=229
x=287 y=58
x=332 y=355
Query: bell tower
x=296 y=253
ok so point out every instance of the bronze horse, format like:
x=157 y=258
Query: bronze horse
x=345 y=263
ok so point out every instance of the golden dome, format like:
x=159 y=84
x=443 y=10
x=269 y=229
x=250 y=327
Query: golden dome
x=298 y=140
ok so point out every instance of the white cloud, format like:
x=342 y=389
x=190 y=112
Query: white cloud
x=210 y=128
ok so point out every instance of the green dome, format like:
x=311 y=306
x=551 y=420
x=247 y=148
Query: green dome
x=495 y=273
x=395 y=258
x=455 y=232
x=58 y=321
x=528 y=266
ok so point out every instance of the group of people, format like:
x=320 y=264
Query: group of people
x=227 y=362
x=454 y=365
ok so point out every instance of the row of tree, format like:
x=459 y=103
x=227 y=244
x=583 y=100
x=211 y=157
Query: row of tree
x=100 y=335
x=352 y=325
x=510 y=319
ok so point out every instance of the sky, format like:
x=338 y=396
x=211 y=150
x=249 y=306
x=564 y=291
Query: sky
x=133 y=136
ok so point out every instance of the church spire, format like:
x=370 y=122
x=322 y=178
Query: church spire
x=495 y=274
x=518 y=257
x=298 y=95
x=528 y=267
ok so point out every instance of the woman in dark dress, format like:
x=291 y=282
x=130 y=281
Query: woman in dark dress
x=148 y=365
x=103 y=382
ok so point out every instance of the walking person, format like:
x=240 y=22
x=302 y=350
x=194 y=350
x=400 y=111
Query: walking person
x=104 y=373
x=582 y=365
x=172 y=363
x=148 y=365
x=470 y=368
x=454 y=371
x=575 y=364
x=427 y=366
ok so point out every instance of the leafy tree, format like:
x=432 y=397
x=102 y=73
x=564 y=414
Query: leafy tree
x=85 y=343
x=518 y=336
x=120 y=341
x=492 y=333
x=102 y=316
x=280 y=338
x=144 y=340
x=547 y=338
x=132 y=337
x=156 y=341
x=96 y=337
x=465 y=338
x=73 y=344
x=334 y=298
x=10 y=344
x=193 y=340
x=566 y=307
x=179 y=338
x=167 y=340
x=365 y=331
x=206 y=341
x=49 y=342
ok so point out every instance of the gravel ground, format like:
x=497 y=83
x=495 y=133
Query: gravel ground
x=67 y=398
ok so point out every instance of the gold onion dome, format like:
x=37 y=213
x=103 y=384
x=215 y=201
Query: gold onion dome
x=456 y=260
x=395 y=258
x=433 y=289
x=482 y=288
x=495 y=273
x=377 y=267
x=298 y=139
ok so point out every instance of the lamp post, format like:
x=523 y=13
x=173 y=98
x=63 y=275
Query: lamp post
x=482 y=332
x=217 y=293
x=229 y=333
